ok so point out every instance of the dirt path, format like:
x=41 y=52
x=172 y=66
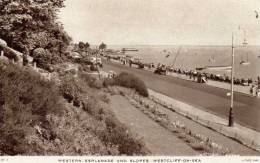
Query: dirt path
x=158 y=140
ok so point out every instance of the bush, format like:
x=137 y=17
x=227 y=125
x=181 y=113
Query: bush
x=28 y=100
x=91 y=81
x=70 y=89
x=116 y=133
x=109 y=82
x=129 y=81
x=42 y=58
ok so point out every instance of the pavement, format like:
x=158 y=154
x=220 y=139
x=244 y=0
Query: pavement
x=202 y=96
x=244 y=135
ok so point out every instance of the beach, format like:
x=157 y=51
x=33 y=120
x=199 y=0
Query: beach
x=191 y=57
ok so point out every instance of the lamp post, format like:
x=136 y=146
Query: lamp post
x=231 y=111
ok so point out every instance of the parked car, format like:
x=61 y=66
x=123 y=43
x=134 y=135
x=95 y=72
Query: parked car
x=161 y=70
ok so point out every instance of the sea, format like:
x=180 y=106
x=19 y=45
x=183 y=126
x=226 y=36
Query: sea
x=191 y=57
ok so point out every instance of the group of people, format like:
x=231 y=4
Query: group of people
x=255 y=90
x=202 y=77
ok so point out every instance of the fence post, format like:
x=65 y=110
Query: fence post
x=49 y=76
x=2 y=54
x=34 y=66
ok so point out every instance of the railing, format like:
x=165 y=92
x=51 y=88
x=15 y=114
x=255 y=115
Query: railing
x=19 y=59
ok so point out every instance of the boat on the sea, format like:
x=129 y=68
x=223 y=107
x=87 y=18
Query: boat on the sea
x=129 y=49
x=244 y=63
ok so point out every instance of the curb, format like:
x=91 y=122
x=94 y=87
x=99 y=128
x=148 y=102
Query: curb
x=209 y=124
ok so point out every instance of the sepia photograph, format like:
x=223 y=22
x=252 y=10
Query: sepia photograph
x=157 y=80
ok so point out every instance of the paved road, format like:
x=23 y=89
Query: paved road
x=211 y=99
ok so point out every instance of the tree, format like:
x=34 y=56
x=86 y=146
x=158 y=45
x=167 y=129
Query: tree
x=102 y=46
x=29 y=24
x=81 y=45
x=87 y=45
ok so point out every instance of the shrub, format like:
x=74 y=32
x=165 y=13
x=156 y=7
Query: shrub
x=84 y=67
x=28 y=100
x=109 y=82
x=91 y=81
x=96 y=84
x=116 y=133
x=93 y=67
x=129 y=81
x=70 y=89
x=42 y=58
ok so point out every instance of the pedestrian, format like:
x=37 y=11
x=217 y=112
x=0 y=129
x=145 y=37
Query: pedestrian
x=252 y=90
x=257 y=93
x=258 y=82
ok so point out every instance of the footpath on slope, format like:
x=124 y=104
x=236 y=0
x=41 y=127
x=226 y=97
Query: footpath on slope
x=246 y=136
x=157 y=139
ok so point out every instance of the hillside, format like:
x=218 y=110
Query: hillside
x=40 y=117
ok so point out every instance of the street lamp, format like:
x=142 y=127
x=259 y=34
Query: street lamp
x=231 y=111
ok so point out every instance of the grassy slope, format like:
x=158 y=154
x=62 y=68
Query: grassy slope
x=37 y=120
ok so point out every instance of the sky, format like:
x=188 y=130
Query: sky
x=162 y=22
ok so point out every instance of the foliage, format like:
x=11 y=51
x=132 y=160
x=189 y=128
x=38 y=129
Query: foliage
x=87 y=45
x=81 y=45
x=113 y=134
x=70 y=89
x=118 y=134
x=129 y=81
x=41 y=57
x=102 y=46
x=27 y=99
x=91 y=81
x=29 y=24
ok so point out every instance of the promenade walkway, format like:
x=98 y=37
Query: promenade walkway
x=244 y=135
x=237 y=88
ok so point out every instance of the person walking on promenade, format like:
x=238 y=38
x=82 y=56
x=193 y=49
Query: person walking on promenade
x=257 y=93
x=258 y=87
x=252 y=90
